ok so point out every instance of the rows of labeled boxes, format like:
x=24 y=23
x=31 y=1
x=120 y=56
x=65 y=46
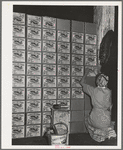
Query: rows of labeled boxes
x=49 y=60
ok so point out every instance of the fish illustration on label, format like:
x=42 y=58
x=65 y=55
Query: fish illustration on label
x=63 y=47
x=18 y=132
x=33 y=81
x=49 y=69
x=90 y=39
x=75 y=82
x=19 y=43
x=63 y=81
x=18 y=81
x=63 y=93
x=49 y=81
x=18 y=56
x=49 y=34
x=77 y=93
x=33 y=45
x=91 y=60
x=18 y=68
x=33 y=33
x=49 y=46
x=34 y=69
x=77 y=48
x=33 y=130
x=49 y=22
x=77 y=59
x=64 y=70
x=90 y=49
x=63 y=58
x=47 y=117
x=33 y=93
x=49 y=58
x=77 y=70
x=64 y=104
x=18 y=93
x=18 y=18
x=63 y=36
x=34 y=21
x=33 y=105
x=33 y=118
x=18 y=31
x=48 y=104
x=49 y=93
x=34 y=57
x=18 y=106
x=77 y=37
x=18 y=119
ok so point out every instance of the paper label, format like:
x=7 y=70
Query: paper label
x=18 y=68
x=49 y=34
x=90 y=50
x=77 y=48
x=18 y=18
x=18 y=132
x=17 y=119
x=49 y=69
x=63 y=36
x=77 y=37
x=33 y=130
x=63 y=81
x=18 y=106
x=18 y=43
x=33 y=93
x=47 y=117
x=48 y=104
x=77 y=93
x=34 y=21
x=49 y=58
x=49 y=46
x=76 y=81
x=63 y=47
x=91 y=60
x=18 y=56
x=18 y=31
x=34 y=69
x=77 y=59
x=18 y=81
x=77 y=70
x=90 y=39
x=49 y=22
x=33 y=57
x=63 y=58
x=33 y=118
x=33 y=81
x=63 y=93
x=64 y=70
x=18 y=93
x=33 y=45
x=49 y=93
x=33 y=105
x=49 y=81
x=33 y=33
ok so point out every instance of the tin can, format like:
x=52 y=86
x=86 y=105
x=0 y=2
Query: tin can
x=77 y=70
x=18 y=81
x=33 y=33
x=63 y=58
x=49 y=58
x=91 y=60
x=33 y=118
x=49 y=69
x=18 y=119
x=18 y=43
x=63 y=81
x=18 y=31
x=75 y=82
x=33 y=45
x=33 y=105
x=49 y=22
x=47 y=117
x=33 y=81
x=77 y=59
x=77 y=93
x=49 y=81
x=18 y=68
x=63 y=36
x=77 y=37
x=63 y=47
x=49 y=46
x=90 y=39
x=18 y=56
x=49 y=34
x=90 y=50
x=33 y=130
x=18 y=106
x=34 y=57
x=49 y=93
x=64 y=70
x=18 y=18
x=34 y=69
x=18 y=132
x=63 y=93
x=48 y=104
x=18 y=93
x=77 y=48
x=34 y=21
x=33 y=93
x=64 y=104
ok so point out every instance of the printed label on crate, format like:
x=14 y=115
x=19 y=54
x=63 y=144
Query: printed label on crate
x=18 y=18
x=63 y=58
x=63 y=81
x=75 y=82
x=46 y=117
x=90 y=39
x=77 y=93
x=63 y=47
x=17 y=119
x=90 y=50
x=18 y=81
x=18 y=132
x=18 y=106
x=49 y=22
x=33 y=33
x=49 y=34
x=33 y=45
x=33 y=118
x=63 y=93
x=33 y=105
x=18 y=31
x=18 y=68
x=77 y=70
x=34 y=21
x=63 y=36
x=64 y=70
x=64 y=104
x=59 y=140
x=33 y=130
x=48 y=104
x=77 y=48
x=18 y=55
x=49 y=69
x=18 y=93
x=77 y=59
x=34 y=57
x=49 y=46
x=49 y=58
x=91 y=60
x=33 y=81
x=49 y=81
x=18 y=43
x=49 y=93
x=93 y=72
x=33 y=93
x=45 y=128
x=77 y=37
x=34 y=69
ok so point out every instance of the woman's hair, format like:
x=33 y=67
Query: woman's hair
x=102 y=80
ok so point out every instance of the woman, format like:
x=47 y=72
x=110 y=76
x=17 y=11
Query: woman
x=99 y=123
